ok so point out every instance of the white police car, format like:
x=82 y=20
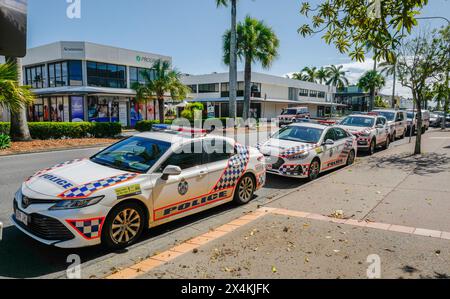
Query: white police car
x=371 y=130
x=138 y=183
x=304 y=150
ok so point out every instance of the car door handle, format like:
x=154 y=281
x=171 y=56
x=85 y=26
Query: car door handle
x=203 y=173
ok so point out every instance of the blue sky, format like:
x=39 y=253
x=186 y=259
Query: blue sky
x=188 y=30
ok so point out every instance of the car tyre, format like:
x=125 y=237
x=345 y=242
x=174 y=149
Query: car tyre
x=314 y=170
x=387 y=143
x=351 y=158
x=245 y=190
x=372 y=147
x=394 y=136
x=123 y=226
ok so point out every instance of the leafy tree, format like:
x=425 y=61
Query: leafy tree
x=16 y=98
x=299 y=76
x=233 y=54
x=336 y=76
x=256 y=42
x=380 y=103
x=420 y=62
x=442 y=88
x=350 y=25
x=372 y=81
x=189 y=110
x=166 y=81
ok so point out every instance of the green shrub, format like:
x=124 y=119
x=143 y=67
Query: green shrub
x=105 y=130
x=54 y=130
x=4 y=128
x=5 y=142
x=146 y=125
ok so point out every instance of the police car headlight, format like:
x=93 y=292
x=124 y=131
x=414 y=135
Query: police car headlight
x=300 y=156
x=76 y=203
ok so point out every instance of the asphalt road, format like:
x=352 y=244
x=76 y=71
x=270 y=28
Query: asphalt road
x=22 y=257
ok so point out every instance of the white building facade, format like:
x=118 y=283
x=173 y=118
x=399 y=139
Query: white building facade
x=81 y=81
x=270 y=95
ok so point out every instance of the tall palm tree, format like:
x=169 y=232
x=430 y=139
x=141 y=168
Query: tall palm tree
x=310 y=74
x=336 y=76
x=166 y=81
x=256 y=42
x=233 y=54
x=15 y=97
x=322 y=75
x=372 y=81
x=390 y=69
x=299 y=76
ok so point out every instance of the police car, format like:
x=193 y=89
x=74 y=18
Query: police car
x=138 y=183
x=372 y=131
x=304 y=150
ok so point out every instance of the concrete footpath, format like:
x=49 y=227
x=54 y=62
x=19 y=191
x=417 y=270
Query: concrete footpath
x=389 y=214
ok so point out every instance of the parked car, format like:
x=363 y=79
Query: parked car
x=434 y=119
x=441 y=118
x=413 y=118
x=304 y=150
x=138 y=183
x=291 y=115
x=372 y=131
x=397 y=122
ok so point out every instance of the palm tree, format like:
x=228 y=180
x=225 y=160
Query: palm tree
x=256 y=42
x=371 y=81
x=299 y=76
x=390 y=69
x=310 y=74
x=233 y=55
x=336 y=76
x=322 y=75
x=167 y=80
x=15 y=97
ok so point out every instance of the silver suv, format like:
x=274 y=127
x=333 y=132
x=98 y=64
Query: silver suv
x=397 y=122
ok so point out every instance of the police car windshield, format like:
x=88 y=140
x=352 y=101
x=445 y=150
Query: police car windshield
x=410 y=115
x=135 y=154
x=355 y=121
x=299 y=134
x=390 y=116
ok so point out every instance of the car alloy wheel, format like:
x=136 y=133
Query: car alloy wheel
x=388 y=142
x=314 y=170
x=245 y=189
x=125 y=227
x=372 y=147
x=351 y=158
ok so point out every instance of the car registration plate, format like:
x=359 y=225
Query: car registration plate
x=21 y=217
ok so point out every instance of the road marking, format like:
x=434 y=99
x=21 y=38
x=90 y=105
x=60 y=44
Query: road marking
x=188 y=246
x=194 y=243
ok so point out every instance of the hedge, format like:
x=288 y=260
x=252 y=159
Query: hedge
x=54 y=130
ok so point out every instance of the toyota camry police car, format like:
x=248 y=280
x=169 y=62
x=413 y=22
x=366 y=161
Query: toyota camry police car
x=304 y=150
x=371 y=130
x=138 y=183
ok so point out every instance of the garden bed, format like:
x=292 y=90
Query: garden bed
x=49 y=145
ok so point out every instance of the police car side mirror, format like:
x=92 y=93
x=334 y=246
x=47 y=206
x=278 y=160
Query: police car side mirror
x=329 y=142
x=171 y=170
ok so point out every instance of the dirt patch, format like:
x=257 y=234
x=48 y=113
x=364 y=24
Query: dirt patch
x=48 y=145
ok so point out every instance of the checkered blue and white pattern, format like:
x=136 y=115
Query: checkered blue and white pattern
x=347 y=148
x=291 y=169
x=236 y=167
x=86 y=190
x=298 y=150
x=90 y=229
x=55 y=167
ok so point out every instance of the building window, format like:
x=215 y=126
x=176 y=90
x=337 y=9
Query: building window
x=255 y=89
x=65 y=73
x=303 y=92
x=35 y=76
x=208 y=88
x=313 y=93
x=193 y=88
x=139 y=75
x=321 y=95
x=106 y=75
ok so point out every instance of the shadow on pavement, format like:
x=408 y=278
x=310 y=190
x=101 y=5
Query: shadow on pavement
x=23 y=257
x=431 y=163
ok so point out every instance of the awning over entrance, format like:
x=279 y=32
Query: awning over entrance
x=67 y=90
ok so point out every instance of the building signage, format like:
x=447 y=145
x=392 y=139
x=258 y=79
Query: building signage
x=77 y=109
x=140 y=58
x=211 y=110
